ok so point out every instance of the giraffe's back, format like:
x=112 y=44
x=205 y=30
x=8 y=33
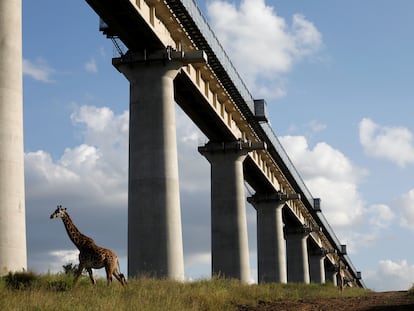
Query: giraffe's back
x=96 y=257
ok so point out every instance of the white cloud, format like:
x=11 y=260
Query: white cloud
x=198 y=258
x=59 y=258
x=90 y=66
x=65 y=256
x=261 y=43
x=405 y=206
x=331 y=176
x=43 y=175
x=194 y=168
x=96 y=119
x=97 y=168
x=380 y=215
x=39 y=70
x=398 y=275
x=322 y=160
x=391 y=143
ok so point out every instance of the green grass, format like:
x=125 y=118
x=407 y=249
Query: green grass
x=55 y=292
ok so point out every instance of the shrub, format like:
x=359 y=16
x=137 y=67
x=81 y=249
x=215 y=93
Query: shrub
x=20 y=280
x=70 y=268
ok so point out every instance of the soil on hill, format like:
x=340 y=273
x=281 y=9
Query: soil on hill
x=382 y=301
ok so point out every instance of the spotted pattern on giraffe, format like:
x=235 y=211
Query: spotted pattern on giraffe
x=91 y=256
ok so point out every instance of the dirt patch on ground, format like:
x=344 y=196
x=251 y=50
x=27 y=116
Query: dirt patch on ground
x=384 y=301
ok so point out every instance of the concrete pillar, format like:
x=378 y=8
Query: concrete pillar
x=331 y=274
x=154 y=218
x=12 y=196
x=317 y=266
x=229 y=247
x=155 y=246
x=271 y=245
x=297 y=255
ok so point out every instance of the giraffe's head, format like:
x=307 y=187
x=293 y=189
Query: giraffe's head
x=60 y=212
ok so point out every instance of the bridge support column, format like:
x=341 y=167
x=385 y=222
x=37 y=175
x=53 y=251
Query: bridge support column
x=229 y=246
x=13 y=256
x=297 y=255
x=154 y=217
x=331 y=275
x=317 y=266
x=271 y=245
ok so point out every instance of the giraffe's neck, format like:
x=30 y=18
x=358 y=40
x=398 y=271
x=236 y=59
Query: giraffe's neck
x=80 y=240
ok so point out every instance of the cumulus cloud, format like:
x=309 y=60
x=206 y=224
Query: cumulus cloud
x=391 y=143
x=194 y=168
x=63 y=257
x=404 y=205
x=380 y=215
x=331 y=176
x=95 y=168
x=38 y=70
x=398 y=275
x=261 y=43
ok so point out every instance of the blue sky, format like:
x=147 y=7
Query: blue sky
x=337 y=77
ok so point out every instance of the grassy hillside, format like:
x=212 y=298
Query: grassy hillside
x=27 y=291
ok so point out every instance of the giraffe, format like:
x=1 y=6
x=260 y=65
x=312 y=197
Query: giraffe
x=91 y=256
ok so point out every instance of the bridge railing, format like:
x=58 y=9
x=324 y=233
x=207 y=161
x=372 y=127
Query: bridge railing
x=210 y=37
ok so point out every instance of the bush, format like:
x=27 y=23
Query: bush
x=70 y=268
x=60 y=285
x=21 y=280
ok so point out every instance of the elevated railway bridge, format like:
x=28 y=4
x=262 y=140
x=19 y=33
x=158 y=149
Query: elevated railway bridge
x=174 y=57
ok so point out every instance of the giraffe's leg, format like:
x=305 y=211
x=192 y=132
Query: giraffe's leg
x=120 y=277
x=108 y=275
x=78 y=273
x=91 y=276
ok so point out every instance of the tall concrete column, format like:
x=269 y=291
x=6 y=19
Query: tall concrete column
x=331 y=274
x=154 y=218
x=297 y=255
x=13 y=255
x=229 y=246
x=271 y=245
x=317 y=266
